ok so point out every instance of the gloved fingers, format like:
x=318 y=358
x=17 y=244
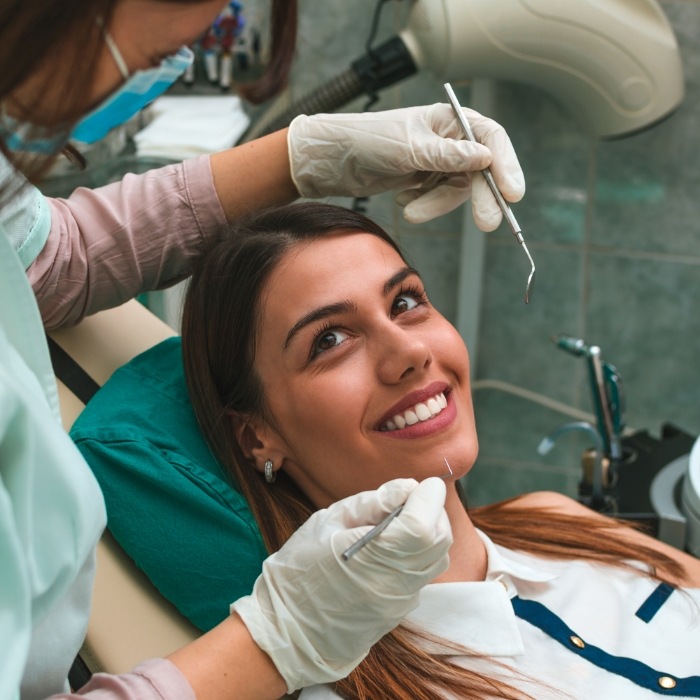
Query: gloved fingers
x=485 y=210
x=423 y=522
x=422 y=205
x=504 y=163
x=505 y=166
x=437 y=154
x=369 y=507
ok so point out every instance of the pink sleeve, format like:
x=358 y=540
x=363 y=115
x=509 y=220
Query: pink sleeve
x=157 y=679
x=109 y=244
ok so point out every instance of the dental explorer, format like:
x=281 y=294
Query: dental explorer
x=382 y=524
x=505 y=208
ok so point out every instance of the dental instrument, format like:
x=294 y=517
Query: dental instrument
x=382 y=524
x=606 y=392
x=505 y=208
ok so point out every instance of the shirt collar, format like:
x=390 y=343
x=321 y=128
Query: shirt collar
x=504 y=562
x=478 y=614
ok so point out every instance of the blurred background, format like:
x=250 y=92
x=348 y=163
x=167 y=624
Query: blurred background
x=611 y=225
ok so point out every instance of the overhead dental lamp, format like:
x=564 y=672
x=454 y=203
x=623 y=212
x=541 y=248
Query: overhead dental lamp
x=614 y=64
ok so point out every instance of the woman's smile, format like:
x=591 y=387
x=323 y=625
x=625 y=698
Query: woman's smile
x=420 y=414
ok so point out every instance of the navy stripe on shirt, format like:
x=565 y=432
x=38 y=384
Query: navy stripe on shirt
x=635 y=671
x=653 y=603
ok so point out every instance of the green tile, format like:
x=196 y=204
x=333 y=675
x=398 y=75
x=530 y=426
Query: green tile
x=514 y=338
x=644 y=316
x=491 y=481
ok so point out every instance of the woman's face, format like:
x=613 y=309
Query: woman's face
x=364 y=380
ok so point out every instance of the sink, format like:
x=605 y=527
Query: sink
x=690 y=500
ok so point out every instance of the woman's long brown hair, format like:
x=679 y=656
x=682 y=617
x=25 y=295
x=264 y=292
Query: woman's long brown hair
x=220 y=323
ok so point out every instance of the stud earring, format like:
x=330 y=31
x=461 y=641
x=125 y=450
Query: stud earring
x=270 y=475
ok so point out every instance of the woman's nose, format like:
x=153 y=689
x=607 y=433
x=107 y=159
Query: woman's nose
x=403 y=352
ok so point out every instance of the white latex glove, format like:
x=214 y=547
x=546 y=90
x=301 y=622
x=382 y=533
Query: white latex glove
x=418 y=151
x=317 y=615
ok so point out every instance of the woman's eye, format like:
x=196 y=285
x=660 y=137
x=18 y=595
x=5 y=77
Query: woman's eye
x=403 y=303
x=328 y=340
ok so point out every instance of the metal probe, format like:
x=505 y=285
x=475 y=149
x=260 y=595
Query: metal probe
x=381 y=525
x=505 y=208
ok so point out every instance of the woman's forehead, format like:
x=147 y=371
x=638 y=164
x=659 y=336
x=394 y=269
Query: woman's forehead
x=333 y=257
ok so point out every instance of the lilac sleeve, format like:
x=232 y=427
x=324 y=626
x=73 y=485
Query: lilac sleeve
x=157 y=679
x=109 y=244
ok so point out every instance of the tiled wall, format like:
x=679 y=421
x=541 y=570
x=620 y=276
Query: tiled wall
x=613 y=228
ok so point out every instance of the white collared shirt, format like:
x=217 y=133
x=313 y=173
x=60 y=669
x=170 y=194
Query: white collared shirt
x=592 y=631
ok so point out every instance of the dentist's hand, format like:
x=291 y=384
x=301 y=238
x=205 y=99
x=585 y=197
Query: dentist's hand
x=317 y=615
x=420 y=152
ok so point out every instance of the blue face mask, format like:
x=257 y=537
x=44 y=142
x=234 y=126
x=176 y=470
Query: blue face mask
x=24 y=138
x=138 y=90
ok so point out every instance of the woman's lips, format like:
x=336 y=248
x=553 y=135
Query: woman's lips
x=428 y=426
x=412 y=399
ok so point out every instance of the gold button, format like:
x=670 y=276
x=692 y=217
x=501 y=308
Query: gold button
x=577 y=641
x=667 y=682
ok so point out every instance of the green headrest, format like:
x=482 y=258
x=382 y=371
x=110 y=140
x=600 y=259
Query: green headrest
x=169 y=502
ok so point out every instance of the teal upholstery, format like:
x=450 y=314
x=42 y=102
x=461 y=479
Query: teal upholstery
x=169 y=503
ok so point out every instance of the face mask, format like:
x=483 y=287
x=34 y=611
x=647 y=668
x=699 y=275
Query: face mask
x=24 y=138
x=138 y=90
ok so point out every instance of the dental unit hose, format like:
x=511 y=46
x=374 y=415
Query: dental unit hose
x=385 y=65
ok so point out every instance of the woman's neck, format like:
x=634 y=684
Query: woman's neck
x=468 y=560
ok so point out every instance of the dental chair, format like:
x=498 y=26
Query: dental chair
x=172 y=510
x=130 y=620
x=168 y=499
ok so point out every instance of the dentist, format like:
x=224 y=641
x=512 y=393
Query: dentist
x=79 y=68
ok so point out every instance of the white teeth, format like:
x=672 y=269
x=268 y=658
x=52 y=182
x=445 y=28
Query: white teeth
x=423 y=412
x=417 y=414
x=433 y=407
x=411 y=417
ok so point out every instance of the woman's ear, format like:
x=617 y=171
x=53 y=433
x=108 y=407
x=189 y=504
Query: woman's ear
x=258 y=443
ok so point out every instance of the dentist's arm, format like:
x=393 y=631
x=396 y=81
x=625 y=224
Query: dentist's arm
x=109 y=244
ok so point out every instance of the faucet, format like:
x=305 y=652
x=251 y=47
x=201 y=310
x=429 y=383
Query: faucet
x=597 y=501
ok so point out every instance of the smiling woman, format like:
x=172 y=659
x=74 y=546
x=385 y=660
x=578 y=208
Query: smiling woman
x=318 y=368
x=341 y=359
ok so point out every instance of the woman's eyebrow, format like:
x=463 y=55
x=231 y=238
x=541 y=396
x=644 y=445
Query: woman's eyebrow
x=322 y=312
x=399 y=277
